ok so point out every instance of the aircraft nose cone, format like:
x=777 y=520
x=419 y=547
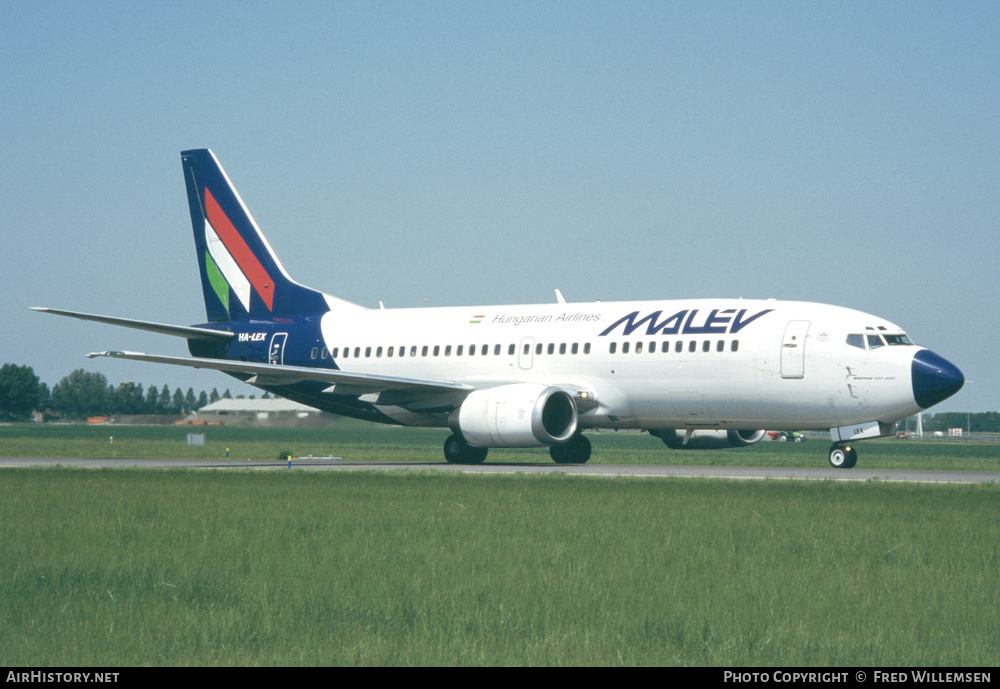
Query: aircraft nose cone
x=934 y=378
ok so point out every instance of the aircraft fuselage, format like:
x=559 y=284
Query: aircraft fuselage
x=707 y=363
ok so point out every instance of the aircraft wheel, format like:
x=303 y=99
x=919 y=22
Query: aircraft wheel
x=843 y=457
x=576 y=450
x=458 y=451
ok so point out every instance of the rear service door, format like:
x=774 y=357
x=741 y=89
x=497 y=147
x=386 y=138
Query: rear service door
x=276 y=353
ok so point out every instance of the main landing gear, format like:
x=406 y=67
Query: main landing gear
x=457 y=451
x=576 y=450
x=843 y=456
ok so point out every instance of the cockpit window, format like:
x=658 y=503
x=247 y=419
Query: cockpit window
x=874 y=341
x=900 y=339
x=856 y=340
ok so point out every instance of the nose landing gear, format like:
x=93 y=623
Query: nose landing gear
x=843 y=456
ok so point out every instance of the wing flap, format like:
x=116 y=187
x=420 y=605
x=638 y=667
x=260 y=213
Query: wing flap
x=343 y=382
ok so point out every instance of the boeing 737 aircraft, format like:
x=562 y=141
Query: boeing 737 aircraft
x=690 y=372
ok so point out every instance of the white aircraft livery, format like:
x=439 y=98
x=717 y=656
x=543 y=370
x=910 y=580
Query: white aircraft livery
x=694 y=373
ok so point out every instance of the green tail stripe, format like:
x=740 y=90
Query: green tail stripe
x=217 y=281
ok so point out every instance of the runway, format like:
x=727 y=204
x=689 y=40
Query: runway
x=743 y=473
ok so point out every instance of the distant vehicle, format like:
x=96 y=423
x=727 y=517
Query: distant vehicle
x=692 y=372
x=902 y=436
x=784 y=436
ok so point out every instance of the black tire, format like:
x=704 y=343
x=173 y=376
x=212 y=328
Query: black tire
x=457 y=451
x=852 y=458
x=576 y=450
x=843 y=457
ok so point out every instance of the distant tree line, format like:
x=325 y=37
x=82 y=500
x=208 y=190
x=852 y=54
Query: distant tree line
x=82 y=394
x=21 y=393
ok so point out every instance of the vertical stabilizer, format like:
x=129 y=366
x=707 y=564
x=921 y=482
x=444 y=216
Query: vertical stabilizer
x=240 y=275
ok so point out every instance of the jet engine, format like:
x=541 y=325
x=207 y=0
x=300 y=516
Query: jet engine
x=516 y=415
x=704 y=439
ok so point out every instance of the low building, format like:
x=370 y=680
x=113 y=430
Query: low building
x=264 y=412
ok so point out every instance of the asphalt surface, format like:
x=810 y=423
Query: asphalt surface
x=607 y=470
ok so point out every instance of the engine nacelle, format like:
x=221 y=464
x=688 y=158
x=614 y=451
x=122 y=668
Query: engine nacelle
x=704 y=439
x=517 y=415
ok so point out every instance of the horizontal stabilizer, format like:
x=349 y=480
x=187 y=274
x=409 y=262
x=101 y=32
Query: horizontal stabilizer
x=185 y=331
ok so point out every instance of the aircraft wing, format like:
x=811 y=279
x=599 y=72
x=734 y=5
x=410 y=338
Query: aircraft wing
x=189 y=332
x=341 y=382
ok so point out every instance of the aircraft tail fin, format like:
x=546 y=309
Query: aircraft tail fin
x=240 y=274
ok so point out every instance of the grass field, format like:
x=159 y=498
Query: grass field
x=360 y=441
x=187 y=567
x=193 y=567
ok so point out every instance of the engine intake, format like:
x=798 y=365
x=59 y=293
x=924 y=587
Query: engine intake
x=517 y=415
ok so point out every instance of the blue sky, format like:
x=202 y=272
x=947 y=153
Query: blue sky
x=461 y=152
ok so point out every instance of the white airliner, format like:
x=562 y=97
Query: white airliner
x=694 y=373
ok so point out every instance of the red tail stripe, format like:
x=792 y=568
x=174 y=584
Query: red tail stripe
x=242 y=253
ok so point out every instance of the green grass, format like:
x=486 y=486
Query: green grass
x=360 y=441
x=184 y=567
